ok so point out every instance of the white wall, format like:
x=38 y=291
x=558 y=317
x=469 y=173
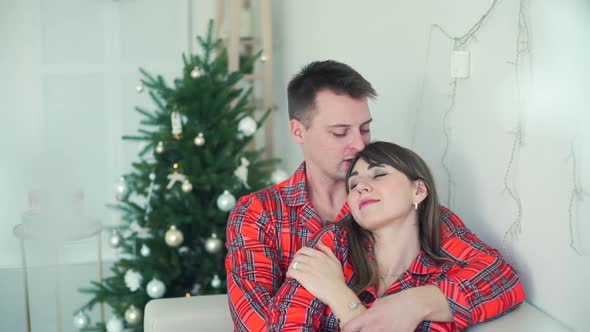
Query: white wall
x=70 y=69
x=68 y=90
x=393 y=45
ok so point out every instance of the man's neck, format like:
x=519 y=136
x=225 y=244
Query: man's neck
x=327 y=195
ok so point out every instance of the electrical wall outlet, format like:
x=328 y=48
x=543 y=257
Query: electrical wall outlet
x=460 y=64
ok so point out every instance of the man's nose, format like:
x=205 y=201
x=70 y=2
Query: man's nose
x=357 y=142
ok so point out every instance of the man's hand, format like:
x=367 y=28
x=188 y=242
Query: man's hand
x=403 y=311
x=389 y=313
x=320 y=272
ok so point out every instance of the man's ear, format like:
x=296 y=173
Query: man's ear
x=297 y=131
x=421 y=191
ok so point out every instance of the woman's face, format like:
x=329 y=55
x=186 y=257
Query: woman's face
x=379 y=195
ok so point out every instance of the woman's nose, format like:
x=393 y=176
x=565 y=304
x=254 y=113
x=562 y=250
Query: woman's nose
x=363 y=186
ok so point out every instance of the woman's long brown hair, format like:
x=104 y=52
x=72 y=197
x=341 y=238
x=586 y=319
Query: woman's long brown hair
x=414 y=167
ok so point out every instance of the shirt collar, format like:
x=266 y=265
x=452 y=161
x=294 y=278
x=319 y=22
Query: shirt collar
x=295 y=187
x=423 y=265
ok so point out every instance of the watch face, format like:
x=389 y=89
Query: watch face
x=352 y=305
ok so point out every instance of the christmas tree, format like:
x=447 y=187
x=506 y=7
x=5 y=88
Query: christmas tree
x=176 y=200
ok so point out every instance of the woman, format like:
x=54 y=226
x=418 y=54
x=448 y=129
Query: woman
x=391 y=242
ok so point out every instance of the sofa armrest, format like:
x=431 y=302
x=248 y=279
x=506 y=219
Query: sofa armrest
x=525 y=318
x=211 y=313
x=184 y=314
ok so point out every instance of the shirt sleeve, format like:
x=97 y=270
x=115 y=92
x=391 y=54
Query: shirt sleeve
x=293 y=307
x=481 y=285
x=252 y=264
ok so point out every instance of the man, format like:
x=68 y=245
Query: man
x=330 y=119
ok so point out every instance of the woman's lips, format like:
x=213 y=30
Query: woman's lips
x=366 y=202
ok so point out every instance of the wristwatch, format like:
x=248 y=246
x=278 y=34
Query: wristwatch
x=354 y=304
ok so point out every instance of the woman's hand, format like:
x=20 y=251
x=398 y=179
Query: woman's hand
x=319 y=271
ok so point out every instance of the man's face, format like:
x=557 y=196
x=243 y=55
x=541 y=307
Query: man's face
x=339 y=129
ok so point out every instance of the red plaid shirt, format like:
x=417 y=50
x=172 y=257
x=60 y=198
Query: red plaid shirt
x=265 y=230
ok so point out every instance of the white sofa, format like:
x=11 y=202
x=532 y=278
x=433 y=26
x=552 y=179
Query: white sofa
x=210 y=313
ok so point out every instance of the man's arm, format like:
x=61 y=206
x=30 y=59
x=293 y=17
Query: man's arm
x=297 y=305
x=252 y=263
x=484 y=285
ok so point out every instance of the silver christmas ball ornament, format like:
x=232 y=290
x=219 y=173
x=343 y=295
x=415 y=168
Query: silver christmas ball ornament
x=226 y=201
x=115 y=239
x=187 y=186
x=145 y=250
x=133 y=315
x=247 y=126
x=173 y=237
x=196 y=289
x=213 y=244
x=81 y=320
x=200 y=140
x=159 y=148
x=139 y=88
x=216 y=282
x=114 y=325
x=121 y=190
x=183 y=250
x=156 y=288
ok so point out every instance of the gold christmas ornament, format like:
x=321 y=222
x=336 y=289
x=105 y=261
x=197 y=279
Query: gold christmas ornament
x=133 y=315
x=173 y=237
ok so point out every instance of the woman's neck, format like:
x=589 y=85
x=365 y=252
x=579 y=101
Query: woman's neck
x=397 y=246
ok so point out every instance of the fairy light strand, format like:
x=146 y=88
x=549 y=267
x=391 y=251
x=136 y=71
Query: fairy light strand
x=515 y=228
x=458 y=43
x=470 y=34
x=447 y=133
x=576 y=195
x=522 y=51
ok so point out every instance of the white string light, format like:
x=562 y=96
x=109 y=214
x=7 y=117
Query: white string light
x=576 y=195
x=522 y=51
x=444 y=158
x=470 y=34
x=458 y=43
x=515 y=228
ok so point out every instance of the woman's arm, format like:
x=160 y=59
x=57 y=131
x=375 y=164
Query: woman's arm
x=318 y=282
